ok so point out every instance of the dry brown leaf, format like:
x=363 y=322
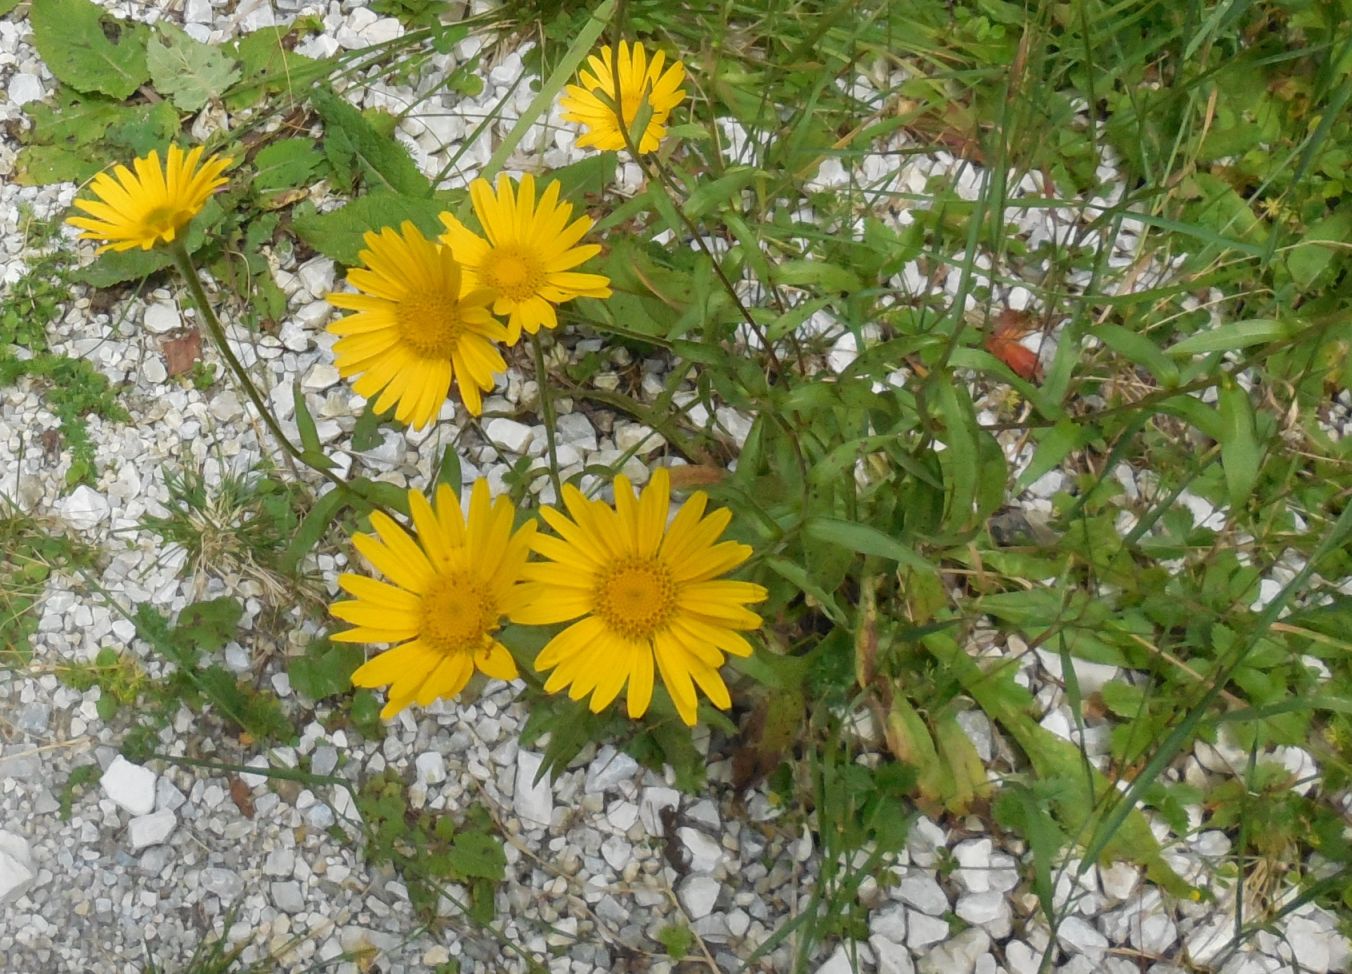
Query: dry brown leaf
x=180 y=353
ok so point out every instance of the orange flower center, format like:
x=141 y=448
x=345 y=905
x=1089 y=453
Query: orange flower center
x=513 y=273
x=457 y=612
x=430 y=323
x=636 y=598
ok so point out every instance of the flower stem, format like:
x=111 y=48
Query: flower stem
x=547 y=414
x=186 y=268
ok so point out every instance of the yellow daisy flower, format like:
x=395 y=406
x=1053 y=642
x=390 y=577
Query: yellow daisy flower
x=528 y=257
x=450 y=590
x=151 y=205
x=592 y=101
x=647 y=592
x=416 y=330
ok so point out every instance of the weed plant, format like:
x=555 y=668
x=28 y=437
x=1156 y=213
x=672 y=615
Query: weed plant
x=849 y=375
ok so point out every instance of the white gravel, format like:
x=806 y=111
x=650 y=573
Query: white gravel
x=151 y=859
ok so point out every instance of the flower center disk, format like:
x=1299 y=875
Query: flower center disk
x=457 y=612
x=636 y=598
x=512 y=273
x=430 y=324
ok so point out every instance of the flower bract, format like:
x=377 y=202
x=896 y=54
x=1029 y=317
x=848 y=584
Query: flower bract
x=646 y=596
x=528 y=257
x=416 y=331
x=153 y=203
x=447 y=593
x=593 y=101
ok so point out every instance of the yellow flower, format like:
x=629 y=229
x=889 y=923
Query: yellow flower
x=647 y=593
x=451 y=589
x=415 y=331
x=592 y=102
x=151 y=205
x=528 y=257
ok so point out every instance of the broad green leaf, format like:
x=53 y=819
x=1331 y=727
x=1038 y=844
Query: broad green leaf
x=209 y=625
x=1232 y=337
x=1140 y=350
x=1321 y=242
x=710 y=195
x=339 y=234
x=325 y=670
x=87 y=49
x=862 y=538
x=38 y=165
x=269 y=67
x=285 y=164
x=309 y=432
x=186 y=71
x=817 y=274
x=1241 y=454
x=383 y=163
x=478 y=855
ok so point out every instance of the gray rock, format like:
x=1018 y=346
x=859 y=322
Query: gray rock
x=153 y=829
x=130 y=786
x=698 y=895
x=533 y=801
x=24 y=88
x=920 y=890
x=923 y=929
x=223 y=883
x=288 y=897
x=959 y=955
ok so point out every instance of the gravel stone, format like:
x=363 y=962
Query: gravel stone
x=130 y=786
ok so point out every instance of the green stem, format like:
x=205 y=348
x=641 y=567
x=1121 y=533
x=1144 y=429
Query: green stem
x=188 y=270
x=547 y=414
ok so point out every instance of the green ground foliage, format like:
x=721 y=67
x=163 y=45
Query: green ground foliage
x=888 y=522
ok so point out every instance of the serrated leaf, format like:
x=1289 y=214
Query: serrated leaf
x=339 y=234
x=208 y=625
x=286 y=163
x=325 y=670
x=38 y=165
x=477 y=855
x=268 y=67
x=383 y=162
x=73 y=37
x=144 y=127
x=186 y=71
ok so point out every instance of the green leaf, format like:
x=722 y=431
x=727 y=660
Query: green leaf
x=313 y=447
x=1233 y=336
x=477 y=855
x=208 y=625
x=339 y=234
x=89 y=50
x=382 y=161
x=39 y=165
x=1241 y=454
x=144 y=127
x=269 y=68
x=186 y=71
x=862 y=538
x=325 y=670
x=285 y=164
x=1322 y=241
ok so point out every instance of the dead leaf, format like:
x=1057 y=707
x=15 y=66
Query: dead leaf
x=241 y=794
x=695 y=475
x=1003 y=343
x=180 y=353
